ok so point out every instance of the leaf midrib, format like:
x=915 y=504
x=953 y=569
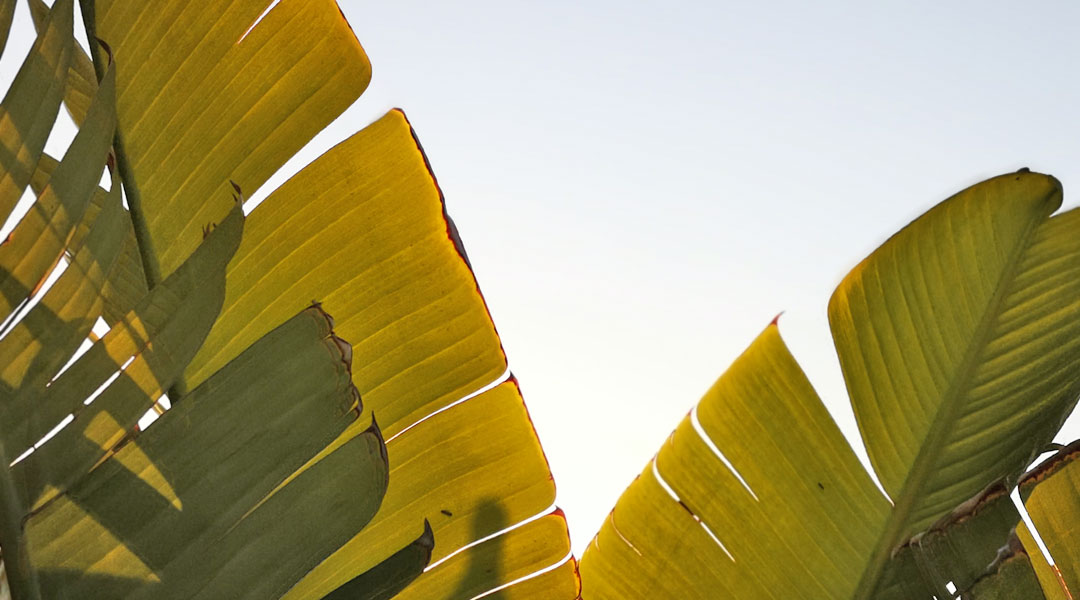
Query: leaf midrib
x=149 y=258
x=942 y=422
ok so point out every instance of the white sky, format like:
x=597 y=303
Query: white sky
x=643 y=186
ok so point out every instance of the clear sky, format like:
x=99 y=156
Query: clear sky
x=642 y=186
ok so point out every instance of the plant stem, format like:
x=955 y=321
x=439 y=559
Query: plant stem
x=22 y=578
x=151 y=268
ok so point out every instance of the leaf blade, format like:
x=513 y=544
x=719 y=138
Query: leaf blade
x=160 y=336
x=196 y=495
x=386 y=579
x=211 y=109
x=1051 y=495
x=32 y=102
x=794 y=515
x=950 y=336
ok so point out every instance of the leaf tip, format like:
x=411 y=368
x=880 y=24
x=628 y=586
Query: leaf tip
x=106 y=47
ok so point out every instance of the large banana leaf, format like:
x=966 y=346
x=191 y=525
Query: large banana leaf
x=199 y=106
x=205 y=94
x=958 y=339
x=422 y=340
x=185 y=508
x=363 y=230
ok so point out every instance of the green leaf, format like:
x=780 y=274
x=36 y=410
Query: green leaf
x=801 y=525
x=386 y=579
x=159 y=337
x=35 y=349
x=197 y=106
x=959 y=343
x=126 y=282
x=958 y=549
x=958 y=339
x=1010 y=577
x=7 y=12
x=41 y=237
x=81 y=81
x=32 y=103
x=214 y=500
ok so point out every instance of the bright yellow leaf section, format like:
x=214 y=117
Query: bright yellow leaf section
x=561 y=582
x=205 y=97
x=1047 y=576
x=796 y=517
x=36 y=347
x=1052 y=498
x=363 y=231
x=959 y=340
x=472 y=470
x=513 y=555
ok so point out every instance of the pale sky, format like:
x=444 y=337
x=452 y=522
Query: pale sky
x=643 y=186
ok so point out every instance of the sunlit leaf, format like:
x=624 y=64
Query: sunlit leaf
x=35 y=349
x=386 y=579
x=363 y=231
x=194 y=507
x=1052 y=496
x=805 y=519
x=472 y=471
x=159 y=337
x=959 y=342
x=36 y=244
x=513 y=555
x=212 y=93
x=198 y=106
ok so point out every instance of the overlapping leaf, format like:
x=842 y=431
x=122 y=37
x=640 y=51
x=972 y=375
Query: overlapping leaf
x=386 y=579
x=211 y=92
x=37 y=346
x=149 y=348
x=32 y=103
x=795 y=518
x=1052 y=496
x=372 y=243
x=208 y=94
x=958 y=341
x=212 y=501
